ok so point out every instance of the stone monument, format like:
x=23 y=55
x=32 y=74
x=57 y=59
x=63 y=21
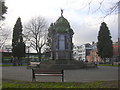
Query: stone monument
x=60 y=41
x=60 y=38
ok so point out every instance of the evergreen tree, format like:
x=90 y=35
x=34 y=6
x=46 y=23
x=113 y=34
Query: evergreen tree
x=4 y=9
x=18 y=45
x=104 y=45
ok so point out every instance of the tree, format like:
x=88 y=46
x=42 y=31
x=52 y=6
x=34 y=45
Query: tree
x=48 y=43
x=105 y=7
x=114 y=7
x=104 y=45
x=4 y=35
x=37 y=34
x=4 y=9
x=18 y=45
x=47 y=51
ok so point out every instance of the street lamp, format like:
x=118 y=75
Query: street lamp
x=28 y=47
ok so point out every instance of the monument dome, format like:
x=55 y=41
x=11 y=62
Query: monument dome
x=62 y=25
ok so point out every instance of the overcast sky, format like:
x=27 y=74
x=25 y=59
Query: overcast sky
x=84 y=21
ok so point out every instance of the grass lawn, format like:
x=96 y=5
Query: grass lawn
x=23 y=84
x=6 y=65
x=108 y=65
x=3 y=65
x=98 y=65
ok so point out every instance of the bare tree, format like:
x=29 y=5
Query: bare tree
x=106 y=7
x=114 y=7
x=36 y=33
x=4 y=34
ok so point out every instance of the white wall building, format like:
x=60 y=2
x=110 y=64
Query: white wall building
x=80 y=52
x=76 y=52
x=84 y=51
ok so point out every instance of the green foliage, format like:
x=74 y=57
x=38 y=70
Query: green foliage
x=18 y=45
x=104 y=45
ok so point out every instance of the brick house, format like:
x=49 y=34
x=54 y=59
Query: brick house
x=115 y=51
x=93 y=56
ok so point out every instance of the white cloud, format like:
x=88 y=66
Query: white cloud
x=85 y=25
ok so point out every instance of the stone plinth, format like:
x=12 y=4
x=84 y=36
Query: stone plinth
x=61 y=64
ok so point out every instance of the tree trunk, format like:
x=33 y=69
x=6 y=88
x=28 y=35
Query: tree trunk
x=14 y=61
x=104 y=60
x=39 y=55
x=110 y=60
x=19 y=61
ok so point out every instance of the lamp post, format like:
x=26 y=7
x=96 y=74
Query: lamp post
x=28 y=47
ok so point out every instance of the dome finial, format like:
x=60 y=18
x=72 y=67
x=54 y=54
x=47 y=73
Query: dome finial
x=61 y=12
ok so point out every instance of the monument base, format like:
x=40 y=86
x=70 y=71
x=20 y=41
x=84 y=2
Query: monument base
x=61 y=64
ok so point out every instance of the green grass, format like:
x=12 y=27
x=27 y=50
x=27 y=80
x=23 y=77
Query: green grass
x=107 y=65
x=47 y=62
x=4 y=65
x=22 y=84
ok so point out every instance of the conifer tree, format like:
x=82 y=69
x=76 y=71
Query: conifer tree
x=18 y=46
x=4 y=9
x=104 y=45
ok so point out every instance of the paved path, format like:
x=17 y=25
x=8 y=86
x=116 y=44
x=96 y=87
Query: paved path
x=17 y=73
x=85 y=75
x=105 y=73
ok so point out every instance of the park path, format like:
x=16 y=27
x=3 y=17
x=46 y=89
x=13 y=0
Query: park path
x=16 y=73
x=104 y=73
